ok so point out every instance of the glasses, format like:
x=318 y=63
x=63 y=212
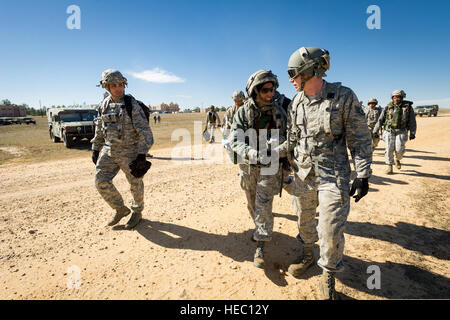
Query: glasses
x=267 y=90
x=293 y=73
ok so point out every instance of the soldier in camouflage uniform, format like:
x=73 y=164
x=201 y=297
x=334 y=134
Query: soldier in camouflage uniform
x=396 y=119
x=238 y=98
x=120 y=143
x=372 y=114
x=324 y=118
x=260 y=115
x=211 y=119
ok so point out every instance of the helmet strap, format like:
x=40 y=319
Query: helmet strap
x=304 y=78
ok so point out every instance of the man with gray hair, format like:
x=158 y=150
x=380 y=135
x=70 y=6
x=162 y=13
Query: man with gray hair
x=122 y=139
x=324 y=118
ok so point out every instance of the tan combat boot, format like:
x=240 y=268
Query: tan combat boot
x=398 y=164
x=258 y=260
x=326 y=286
x=119 y=215
x=302 y=263
x=134 y=220
x=389 y=169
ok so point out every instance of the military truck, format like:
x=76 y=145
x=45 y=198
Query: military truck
x=71 y=124
x=430 y=110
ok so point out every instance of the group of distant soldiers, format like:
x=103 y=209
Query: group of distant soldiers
x=301 y=147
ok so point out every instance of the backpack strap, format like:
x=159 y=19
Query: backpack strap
x=128 y=105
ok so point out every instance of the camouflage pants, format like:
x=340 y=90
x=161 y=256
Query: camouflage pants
x=211 y=127
x=334 y=207
x=260 y=190
x=105 y=171
x=395 y=142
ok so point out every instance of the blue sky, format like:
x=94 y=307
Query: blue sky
x=208 y=49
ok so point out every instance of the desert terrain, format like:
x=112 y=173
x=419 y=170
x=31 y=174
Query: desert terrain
x=194 y=239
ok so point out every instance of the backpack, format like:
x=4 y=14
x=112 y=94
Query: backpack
x=128 y=105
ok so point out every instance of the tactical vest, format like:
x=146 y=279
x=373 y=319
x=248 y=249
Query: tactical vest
x=397 y=117
x=315 y=142
x=211 y=117
x=274 y=117
x=259 y=119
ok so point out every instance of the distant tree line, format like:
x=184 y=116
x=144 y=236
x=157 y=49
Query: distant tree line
x=42 y=110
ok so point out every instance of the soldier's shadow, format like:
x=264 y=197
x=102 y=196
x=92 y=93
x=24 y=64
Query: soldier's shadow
x=419 y=151
x=431 y=158
x=428 y=241
x=397 y=280
x=423 y=174
x=384 y=180
x=237 y=246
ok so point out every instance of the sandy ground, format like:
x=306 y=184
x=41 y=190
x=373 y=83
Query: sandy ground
x=193 y=242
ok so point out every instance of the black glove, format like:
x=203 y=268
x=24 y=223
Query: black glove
x=361 y=186
x=376 y=135
x=95 y=154
x=140 y=166
x=412 y=136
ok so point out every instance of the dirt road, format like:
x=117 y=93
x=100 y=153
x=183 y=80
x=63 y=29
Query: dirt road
x=194 y=240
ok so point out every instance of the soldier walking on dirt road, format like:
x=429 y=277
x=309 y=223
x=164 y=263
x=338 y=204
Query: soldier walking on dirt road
x=122 y=139
x=396 y=119
x=259 y=115
x=324 y=119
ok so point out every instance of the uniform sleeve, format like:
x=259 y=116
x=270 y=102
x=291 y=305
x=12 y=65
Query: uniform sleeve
x=237 y=131
x=225 y=119
x=99 y=140
x=291 y=134
x=380 y=121
x=217 y=118
x=142 y=128
x=358 y=136
x=412 y=121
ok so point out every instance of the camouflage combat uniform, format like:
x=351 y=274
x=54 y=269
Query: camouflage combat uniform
x=396 y=120
x=120 y=140
x=211 y=119
x=259 y=188
x=228 y=119
x=372 y=116
x=319 y=130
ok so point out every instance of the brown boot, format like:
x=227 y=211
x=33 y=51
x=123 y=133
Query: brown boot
x=326 y=286
x=119 y=215
x=134 y=220
x=258 y=260
x=389 y=169
x=302 y=263
x=398 y=164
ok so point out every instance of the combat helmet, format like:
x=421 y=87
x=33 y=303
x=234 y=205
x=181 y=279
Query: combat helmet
x=238 y=95
x=110 y=76
x=373 y=100
x=309 y=62
x=260 y=77
x=400 y=93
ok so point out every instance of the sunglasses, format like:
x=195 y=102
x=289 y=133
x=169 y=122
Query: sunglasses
x=293 y=73
x=267 y=90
